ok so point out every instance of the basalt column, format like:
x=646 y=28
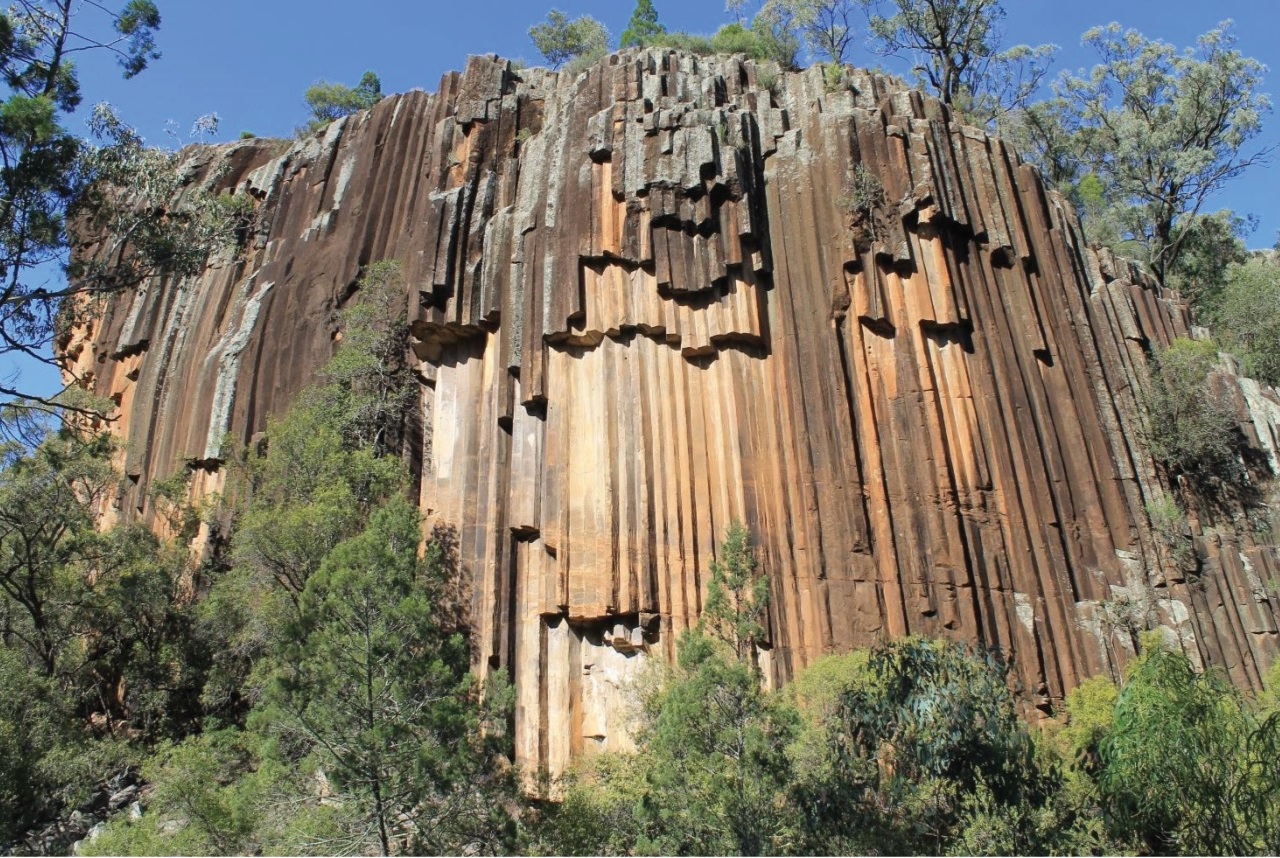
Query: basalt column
x=660 y=296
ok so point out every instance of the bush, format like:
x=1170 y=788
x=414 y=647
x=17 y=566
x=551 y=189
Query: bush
x=1187 y=766
x=1246 y=314
x=1169 y=523
x=1190 y=430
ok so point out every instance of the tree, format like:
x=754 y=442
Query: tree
x=376 y=675
x=48 y=543
x=329 y=101
x=1163 y=131
x=924 y=739
x=955 y=46
x=642 y=27
x=760 y=41
x=559 y=39
x=43 y=168
x=1190 y=432
x=737 y=597
x=710 y=776
x=825 y=25
x=1214 y=243
x=1188 y=766
x=370 y=384
x=1246 y=314
x=329 y=462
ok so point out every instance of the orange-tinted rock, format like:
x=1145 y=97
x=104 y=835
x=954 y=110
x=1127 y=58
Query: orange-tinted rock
x=645 y=306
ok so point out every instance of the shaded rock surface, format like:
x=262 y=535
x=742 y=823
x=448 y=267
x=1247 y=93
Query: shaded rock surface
x=649 y=300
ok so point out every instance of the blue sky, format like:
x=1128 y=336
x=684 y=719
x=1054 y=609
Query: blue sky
x=249 y=61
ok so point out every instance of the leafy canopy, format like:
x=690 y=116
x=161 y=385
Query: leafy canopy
x=47 y=173
x=1162 y=130
x=642 y=27
x=329 y=101
x=560 y=39
x=737 y=596
x=1247 y=313
x=1191 y=430
x=1189 y=767
x=825 y=26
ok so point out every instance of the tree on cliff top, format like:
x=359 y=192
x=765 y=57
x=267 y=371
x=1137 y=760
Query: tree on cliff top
x=559 y=39
x=955 y=46
x=1161 y=130
x=826 y=26
x=329 y=101
x=643 y=25
x=111 y=186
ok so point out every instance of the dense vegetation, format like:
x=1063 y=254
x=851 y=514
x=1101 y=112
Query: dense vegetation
x=315 y=697
x=307 y=687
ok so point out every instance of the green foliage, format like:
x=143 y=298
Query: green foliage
x=959 y=42
x=737 y=39
x=370 y=386
x=922 y=751
x=711 y=774
x=833 y=77
x=825 y=26
x=1169 y=523
x=1246 y=314
x=767 y=78
x=691 y=43
x=947 y=714
x=1188 y=768
x=307 y=494
x=1189 y=431
x=47 y=540
x=1162 y=130
x=642 y=27
x=34 y=723
x=598 y=813
x=914 y=747
x=328 y=465
x=762 y=41
x=230 y=792
x=52 y=177
x=1091 y=714
x=151 y=221
x=375 y=675
x=340 y=712
x=559 y=39
x=93 y=630
x=1213 y=244
x=865 y=200
x=737 y=597
x=329 y=101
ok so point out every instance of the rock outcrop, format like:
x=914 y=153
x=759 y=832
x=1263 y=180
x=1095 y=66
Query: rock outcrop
x=663 y=295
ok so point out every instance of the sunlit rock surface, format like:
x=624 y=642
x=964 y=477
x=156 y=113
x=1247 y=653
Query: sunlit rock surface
x=649 y=300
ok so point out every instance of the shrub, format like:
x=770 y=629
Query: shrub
x=1169 y=523
x=1187 y=766
x=1247 y=316
x=1189 y=429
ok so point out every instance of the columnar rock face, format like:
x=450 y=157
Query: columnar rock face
x=660 y=296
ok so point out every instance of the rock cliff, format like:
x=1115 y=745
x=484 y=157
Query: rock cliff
x=675 y=291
